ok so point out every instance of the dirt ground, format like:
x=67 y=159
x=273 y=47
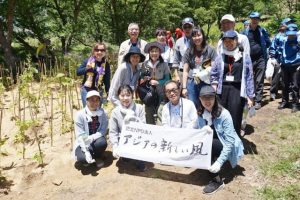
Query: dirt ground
x=61 y=179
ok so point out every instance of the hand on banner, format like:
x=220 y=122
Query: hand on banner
x=208 y=129
x=215 y=167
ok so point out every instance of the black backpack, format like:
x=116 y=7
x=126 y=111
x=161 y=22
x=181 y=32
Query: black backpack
x=148 y=94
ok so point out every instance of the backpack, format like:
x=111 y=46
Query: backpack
x=148 y=94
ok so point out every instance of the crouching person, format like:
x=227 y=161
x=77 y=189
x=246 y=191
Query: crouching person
x=226 y=143
x=90 y=128
x=124 y=113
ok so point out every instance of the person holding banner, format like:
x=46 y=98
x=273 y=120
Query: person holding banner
x=178 y=112
x=125 y=112
x=226 y=143
x=90 y=128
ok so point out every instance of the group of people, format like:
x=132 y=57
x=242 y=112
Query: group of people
x=188 y=85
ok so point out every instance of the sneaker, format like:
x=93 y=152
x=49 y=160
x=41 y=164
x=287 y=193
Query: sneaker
x=213 y=186
x=295 y=109
x=283 y=105
x=86 y=164
x=257 y=106
x=99 y=163
x=272 y=97
x=141 y=166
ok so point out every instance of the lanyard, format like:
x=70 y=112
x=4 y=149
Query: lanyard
x=180 y=113
x=230 y=63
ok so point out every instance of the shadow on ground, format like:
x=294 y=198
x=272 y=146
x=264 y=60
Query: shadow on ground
x=197 y=177
x=92 y=169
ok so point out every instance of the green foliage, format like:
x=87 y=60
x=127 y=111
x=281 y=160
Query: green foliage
x=23 y=126
x=39 y=157
x=282 y=169
x=286 y=192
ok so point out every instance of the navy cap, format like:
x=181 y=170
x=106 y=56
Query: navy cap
x=207 y=90
x=187 y=20
x=254 y=15
x=291 y=29
x=285 y=21
x=229 y=34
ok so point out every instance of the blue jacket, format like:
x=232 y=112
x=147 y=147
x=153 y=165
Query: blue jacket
x=277 y=44
x=290 y=51
x=247 y=83
x=264 y=38
x=232 y=145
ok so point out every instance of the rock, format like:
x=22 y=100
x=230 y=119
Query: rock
x=57 y=182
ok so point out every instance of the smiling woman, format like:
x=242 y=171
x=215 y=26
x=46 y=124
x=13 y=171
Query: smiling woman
x=125 y=110
x=155 y=72
x=195 y=71
x=96 y=71
x=127 y=74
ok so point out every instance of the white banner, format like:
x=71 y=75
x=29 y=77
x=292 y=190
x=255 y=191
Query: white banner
x=164 y=145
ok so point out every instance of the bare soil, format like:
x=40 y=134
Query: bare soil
x=61 y=179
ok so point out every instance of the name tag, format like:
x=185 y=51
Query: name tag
x=229 y=78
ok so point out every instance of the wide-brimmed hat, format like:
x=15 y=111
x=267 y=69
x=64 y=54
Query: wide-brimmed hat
x=92 y=93
x=207 y=90
x=154 y=44
x=134 y=50
x=291 y=29
x=254 y=15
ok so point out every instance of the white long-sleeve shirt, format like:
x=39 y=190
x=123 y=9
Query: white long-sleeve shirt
x=182 y=115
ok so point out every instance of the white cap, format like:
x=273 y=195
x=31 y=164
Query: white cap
x=92 y=93
x=229 y=17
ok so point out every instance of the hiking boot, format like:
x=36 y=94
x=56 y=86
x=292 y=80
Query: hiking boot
x=257 y=106
x=283 y=105
x=99 y=163
x=295 y=109
x=272 y=97
x=213 y=186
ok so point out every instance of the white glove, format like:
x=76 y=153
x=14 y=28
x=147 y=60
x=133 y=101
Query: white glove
x=88 y=157
x=215 y=167
x=95 y=136
x=130 y=118
x=115 y=152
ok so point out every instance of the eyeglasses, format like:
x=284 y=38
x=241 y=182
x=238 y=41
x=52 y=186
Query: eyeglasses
x=97 y=50
x=174 y=90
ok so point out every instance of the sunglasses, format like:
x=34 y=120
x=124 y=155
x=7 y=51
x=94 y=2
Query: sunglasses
x=187 y=27
x=97 y=50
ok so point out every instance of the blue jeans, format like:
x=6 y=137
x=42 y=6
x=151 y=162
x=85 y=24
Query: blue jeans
x=193 y=90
